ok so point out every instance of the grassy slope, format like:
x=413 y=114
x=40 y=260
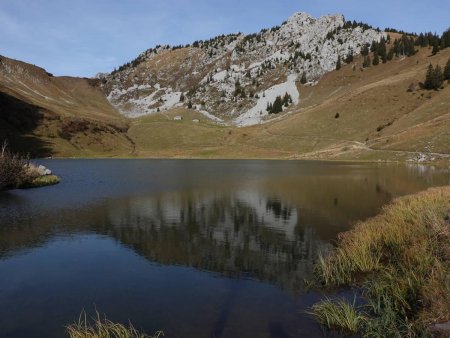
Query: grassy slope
x=417 y=121
x=37 y=106
x=366 y=100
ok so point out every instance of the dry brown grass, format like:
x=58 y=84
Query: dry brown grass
x=402 y=260
x=104 y=328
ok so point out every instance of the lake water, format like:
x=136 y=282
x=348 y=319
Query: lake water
x=193 y=248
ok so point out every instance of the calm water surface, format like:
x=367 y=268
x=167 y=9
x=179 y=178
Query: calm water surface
x=193 y=248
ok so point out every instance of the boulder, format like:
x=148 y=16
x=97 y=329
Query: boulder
x=43 y=171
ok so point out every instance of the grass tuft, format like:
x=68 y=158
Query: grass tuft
x=104 y=328
x=338 y=315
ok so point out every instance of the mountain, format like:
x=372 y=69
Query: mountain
x=235 y=77
x=305 y=89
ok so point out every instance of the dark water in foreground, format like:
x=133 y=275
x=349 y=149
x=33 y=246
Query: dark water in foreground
x=194 y=248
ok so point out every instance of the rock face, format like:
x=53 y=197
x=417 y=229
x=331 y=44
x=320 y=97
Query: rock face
x=235 y=77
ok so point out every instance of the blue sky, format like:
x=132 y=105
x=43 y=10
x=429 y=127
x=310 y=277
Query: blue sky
x=83 y=37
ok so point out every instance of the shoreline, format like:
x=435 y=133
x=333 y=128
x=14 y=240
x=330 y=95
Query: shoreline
x=437 y=164
x=41 y=181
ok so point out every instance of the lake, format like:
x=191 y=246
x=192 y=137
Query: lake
x=191 y=247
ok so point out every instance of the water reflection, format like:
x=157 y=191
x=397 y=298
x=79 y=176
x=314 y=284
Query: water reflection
x=181 y=235
x=235 y=233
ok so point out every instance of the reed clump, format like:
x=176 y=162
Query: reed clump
x=103 y=328
x=401 y=260
x=338 y=315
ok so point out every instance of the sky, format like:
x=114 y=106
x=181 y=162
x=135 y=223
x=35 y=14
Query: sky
x=85 y=37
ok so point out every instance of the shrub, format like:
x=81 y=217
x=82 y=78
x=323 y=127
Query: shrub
x=16 y=171
x=12 y=169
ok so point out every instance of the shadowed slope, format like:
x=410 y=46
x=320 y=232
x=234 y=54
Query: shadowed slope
x=47 y=115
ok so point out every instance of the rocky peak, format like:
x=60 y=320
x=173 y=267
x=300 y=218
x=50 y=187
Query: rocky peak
x=236 y=77
x=300 y=18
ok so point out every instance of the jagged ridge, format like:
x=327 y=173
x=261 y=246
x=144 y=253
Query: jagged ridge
x=234 y=77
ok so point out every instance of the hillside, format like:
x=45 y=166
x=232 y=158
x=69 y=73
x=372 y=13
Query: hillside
x=63 y=116
x=354 y=113
x=378 y=119
x=378 y=116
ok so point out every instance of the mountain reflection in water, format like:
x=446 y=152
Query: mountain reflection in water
x=197 y=248
x=237 y=233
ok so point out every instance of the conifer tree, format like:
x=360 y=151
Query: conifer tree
x=435 y=48
x=428 y=84
x=447 y=71
x=367 y=62
x=287 y=99
x=396 y=48
x=382 y=50
x=434 y=78
x=365 y=50
x=277 y=105
x=338 y=63
x=446 y=38
x=438 y=77
x=182 y=97
x=349 y=58
x=303 y=80
x=375 y=50
x=390 y=54
x=376 y=59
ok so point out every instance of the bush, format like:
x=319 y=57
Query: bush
x=12 y=169
x=16 y=171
